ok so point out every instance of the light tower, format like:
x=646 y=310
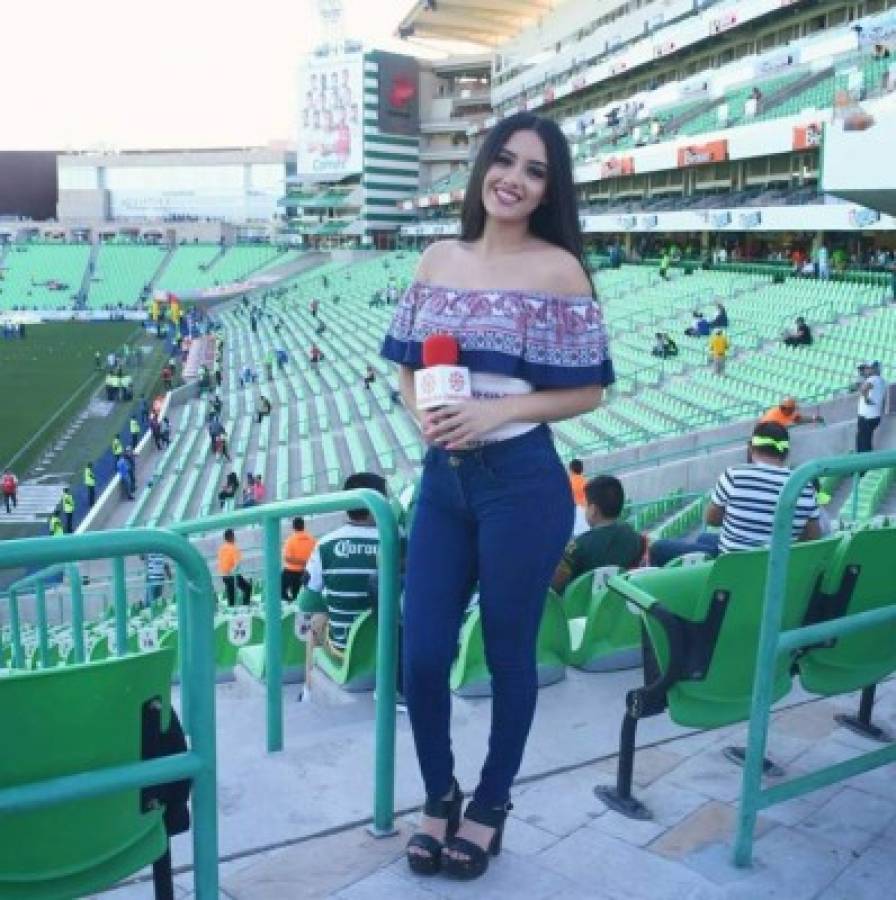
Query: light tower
x=330 y=13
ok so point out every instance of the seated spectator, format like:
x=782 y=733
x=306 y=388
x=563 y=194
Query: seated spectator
x=786 y=414
x=743 y=502
x=721 y=317
x=699 y=327
x=228 y=492
x=369 y=377
x=315 y=355
x=341 y=567
x=258 y=491
x=262 y=408
x=297 y=549
x=577 y=481
x=608 y=542
x=664 y=347
x=801 y=336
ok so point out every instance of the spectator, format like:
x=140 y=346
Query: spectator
x=744 y=499
x=321 y=327
x=167 y=377
x=297 y=549
x=128 y=457
x=721 y=317
x=262 y=408
x=217 y=405
x=718 y=351
x=370 y=377
x=801 y=336
x=68 y=509
x=10 y=486
x=608 y=542
x=822 y=263
x=577 y=481
x=664 y=266
x=786 y=414
x=165 y=432
x=124 y=478
x=663 y=346
x=134 y=429
x=215 y=428
x=221 y=444
x=872 y=396
x=699 y=327
x=54 y=524
x=228 y=492
x=157 y=571
x=341 y=567
x=229 y=558
x=315 y=355
x=90 y=484
x=823 y=499
x=258 y=491
x=315 y=305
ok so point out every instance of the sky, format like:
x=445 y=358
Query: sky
x=83 y=74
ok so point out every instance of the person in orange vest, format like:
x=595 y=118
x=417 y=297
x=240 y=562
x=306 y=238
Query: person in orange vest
x=577 y=482
x=787 y=414
x=297 y=550
x=229 y=559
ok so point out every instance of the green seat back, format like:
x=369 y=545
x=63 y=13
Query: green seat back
x=720 y=691
x=580 y=592
x=235 y=630
x=356 y=669
x=66 y=721
x=608 y=637
x=865 y=657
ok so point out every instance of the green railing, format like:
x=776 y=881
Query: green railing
x=269 y=516
x=773 y=642
x=197 y=763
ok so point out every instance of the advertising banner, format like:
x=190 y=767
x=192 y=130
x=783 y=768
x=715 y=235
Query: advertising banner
x=617 y=166
x=806 y=137
x=399 y=94
x=701 y=154
x=331 y=104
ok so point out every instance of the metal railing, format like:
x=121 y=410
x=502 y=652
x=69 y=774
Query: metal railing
x=198 y=762
x=773 y=642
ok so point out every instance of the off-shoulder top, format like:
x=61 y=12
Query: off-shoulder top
x=548 y=340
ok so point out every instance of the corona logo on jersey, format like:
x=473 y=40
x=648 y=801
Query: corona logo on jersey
x=701 y=154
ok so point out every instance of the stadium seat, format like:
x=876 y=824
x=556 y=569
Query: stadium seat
x=253 y=659
x=355 y=670
x=67 y=721
x=702 y=630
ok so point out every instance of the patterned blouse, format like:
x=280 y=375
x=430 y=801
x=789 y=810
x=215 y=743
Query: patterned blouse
x=551 y=341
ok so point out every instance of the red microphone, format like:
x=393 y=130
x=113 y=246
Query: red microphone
x=442 y=381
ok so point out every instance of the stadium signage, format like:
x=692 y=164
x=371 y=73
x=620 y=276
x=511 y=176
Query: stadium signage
x=649 y=221
x=617 y=166
x=398 y=95
x=862 y=217
x=806 y=137
x=702 y=154
x=751 y=219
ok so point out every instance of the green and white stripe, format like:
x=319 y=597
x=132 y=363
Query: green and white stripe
x=391 y=163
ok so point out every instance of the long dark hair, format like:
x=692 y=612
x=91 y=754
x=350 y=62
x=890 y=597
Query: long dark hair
x=556 y=220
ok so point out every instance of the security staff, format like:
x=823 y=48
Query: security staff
x=68 y=509
x=90 y=484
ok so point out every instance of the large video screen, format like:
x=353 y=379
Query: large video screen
x=399 y=101
x=331 y=115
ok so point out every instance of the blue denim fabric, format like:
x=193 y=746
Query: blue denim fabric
x=499 y=516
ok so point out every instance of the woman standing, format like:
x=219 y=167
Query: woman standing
x=494 y=506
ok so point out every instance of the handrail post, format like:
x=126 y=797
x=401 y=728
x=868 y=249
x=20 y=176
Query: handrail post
x=386 y=667
x=15 y=631
x=74 y=580
x=43 y=637
x=184 y=643
x=273 y=638
x=119 y=593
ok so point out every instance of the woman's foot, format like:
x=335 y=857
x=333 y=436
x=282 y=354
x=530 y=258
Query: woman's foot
x=481 y=835
x=466 y=855
x=438 y=824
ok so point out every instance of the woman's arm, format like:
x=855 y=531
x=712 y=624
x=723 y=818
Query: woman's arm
x=407 y=391
x=454 y=426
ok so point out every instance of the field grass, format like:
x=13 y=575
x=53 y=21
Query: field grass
x=40 y=374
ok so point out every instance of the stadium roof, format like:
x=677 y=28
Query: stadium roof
x=485 y=22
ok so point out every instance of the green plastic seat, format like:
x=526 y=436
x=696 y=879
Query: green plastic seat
x=233 y=631
x=607 y=637
x=470 y=676
x=355 y=671
x=66 y=721
x=252 y=657
x=858 y=660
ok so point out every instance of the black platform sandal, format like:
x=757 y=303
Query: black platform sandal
x=476 y=862
x=431 y=863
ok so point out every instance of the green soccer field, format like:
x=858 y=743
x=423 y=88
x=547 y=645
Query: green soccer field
x=52 y=369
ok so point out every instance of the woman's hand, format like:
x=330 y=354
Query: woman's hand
x=455 y=426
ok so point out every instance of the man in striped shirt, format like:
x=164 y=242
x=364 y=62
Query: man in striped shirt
x=343 y=566
x=744 y=500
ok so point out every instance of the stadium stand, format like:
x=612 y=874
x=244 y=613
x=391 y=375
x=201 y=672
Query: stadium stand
x=43 y=276
x=122 y=272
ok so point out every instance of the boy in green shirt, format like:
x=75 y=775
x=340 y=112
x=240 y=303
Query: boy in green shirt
x=608 y=542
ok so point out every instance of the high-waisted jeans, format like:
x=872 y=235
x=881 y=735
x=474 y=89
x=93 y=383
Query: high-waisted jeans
x=498 y=516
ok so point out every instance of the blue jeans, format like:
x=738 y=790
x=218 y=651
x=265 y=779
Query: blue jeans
x=498 y=516
x=663 y=551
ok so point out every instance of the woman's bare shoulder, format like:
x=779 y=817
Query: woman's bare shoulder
x=439 y=260
x=559 y=271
